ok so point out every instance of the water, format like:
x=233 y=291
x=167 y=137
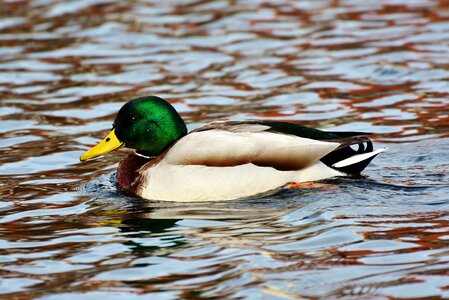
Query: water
x=378 y=66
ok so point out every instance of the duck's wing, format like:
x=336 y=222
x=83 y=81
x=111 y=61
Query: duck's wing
x=343 y=158
x=228 y=144
x=269 y=126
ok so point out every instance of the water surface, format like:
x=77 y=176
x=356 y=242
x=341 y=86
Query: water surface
x=376 y=66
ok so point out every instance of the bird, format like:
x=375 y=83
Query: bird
x=223 y=160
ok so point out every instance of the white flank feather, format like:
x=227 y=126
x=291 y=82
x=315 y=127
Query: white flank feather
x=200 y=183
x=227 y=148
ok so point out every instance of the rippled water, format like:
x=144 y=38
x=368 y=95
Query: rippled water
x=378 y=66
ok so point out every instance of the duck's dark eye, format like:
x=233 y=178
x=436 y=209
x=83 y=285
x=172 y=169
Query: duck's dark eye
x=133 y=119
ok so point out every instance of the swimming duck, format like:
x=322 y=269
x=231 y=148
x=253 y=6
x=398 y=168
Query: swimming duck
x=222 y=160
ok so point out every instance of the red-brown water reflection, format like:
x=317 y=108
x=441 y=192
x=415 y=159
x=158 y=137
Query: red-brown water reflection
x=379 y=66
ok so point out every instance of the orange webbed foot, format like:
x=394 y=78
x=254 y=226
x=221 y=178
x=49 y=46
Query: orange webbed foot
x=301 y=185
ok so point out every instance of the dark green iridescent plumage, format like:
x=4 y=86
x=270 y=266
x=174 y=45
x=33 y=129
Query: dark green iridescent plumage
x=296 y=129
x=149 y=124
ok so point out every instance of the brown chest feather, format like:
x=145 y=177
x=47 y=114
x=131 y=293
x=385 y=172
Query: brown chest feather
x=127 y=172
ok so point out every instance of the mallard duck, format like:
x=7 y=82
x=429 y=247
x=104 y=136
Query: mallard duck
x=222 y=160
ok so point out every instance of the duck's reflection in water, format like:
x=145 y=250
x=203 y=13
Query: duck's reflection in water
x=256 y=221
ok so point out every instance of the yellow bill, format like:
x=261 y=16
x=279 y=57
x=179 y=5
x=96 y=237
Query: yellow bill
x=108 y=144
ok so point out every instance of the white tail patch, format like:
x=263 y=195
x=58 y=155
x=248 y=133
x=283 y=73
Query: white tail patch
x=357 y=158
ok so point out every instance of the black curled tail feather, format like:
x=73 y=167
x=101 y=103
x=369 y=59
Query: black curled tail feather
x=344 y=151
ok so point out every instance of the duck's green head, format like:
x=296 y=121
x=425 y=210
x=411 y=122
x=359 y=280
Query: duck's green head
x=147 y=124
